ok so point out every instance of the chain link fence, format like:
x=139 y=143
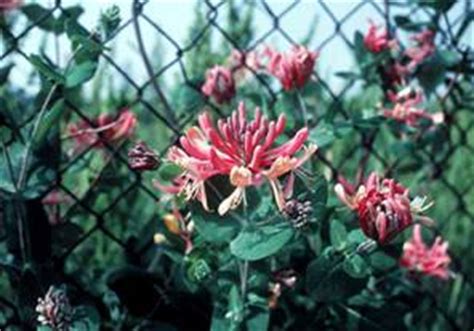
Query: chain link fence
x=98 y=208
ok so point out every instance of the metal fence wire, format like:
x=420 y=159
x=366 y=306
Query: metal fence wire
x=96 y=215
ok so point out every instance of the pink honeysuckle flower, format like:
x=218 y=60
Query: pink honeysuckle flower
x=6 y=5
x=405 y=108
x=219 y=84
x=377 y=40
x=383 y=206
x=244 y=60
x=432 y=261
x=294 y=68
x=241 y=149
x=105 y=129
x=423 y=49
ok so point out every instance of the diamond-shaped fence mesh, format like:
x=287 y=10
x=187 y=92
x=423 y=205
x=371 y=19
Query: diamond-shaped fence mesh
x=148 y=67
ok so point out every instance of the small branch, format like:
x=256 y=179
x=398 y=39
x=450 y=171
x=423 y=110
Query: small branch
x=303 y=110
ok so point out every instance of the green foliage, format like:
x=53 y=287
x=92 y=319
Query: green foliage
x=255 y=243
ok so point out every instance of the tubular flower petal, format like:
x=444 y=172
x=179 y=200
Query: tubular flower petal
x=423 y=49
x=433 y=261
x=6 y=5
x=294 y=68
x=377 y=41
x=238 y=148
x=104 y=129
x=383 y=206
x=219 y=84
x=405 y=108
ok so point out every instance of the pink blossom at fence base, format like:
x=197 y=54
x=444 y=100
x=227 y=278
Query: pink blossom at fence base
x=292 y=69
x=54 y=309
x=219 y=84
x=431 y=261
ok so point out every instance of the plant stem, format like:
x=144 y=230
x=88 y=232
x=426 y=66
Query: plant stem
x=26 y=158
x=303 y=110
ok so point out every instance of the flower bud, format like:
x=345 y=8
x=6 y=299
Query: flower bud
x=142 y=158
x=54 y=309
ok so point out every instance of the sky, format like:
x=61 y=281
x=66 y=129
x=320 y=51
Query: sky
x=176 y=16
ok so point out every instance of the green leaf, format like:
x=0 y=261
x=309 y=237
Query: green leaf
x=356 y=237
x=360 y=51
x=46 y=69
x=169 y=171
x=431 y=73
x=44 y=18
x=448 y=57
x=337 y=234
x=326 y=281
x=258 y=318
x=382 y=261
x=86 y=318
x=212 y=226
x=255 y=243
x=405 y=23
x=80 y=73
x=40 y=173
x=322 y=135
x=49 y=120
x=40 y=16
x=356 y=267
x=440 y=5
x=4 y=72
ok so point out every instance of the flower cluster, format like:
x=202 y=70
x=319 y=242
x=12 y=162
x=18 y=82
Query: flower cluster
x=54 y=310
x=6 y=5
x=293 y=68
x=219 y=84
x=240 y=149
x=405 y=108
x=383 y=206
x=377 y=41
x=105 y=129
x=395 y=74
x=240 y=60
x=432 y=261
